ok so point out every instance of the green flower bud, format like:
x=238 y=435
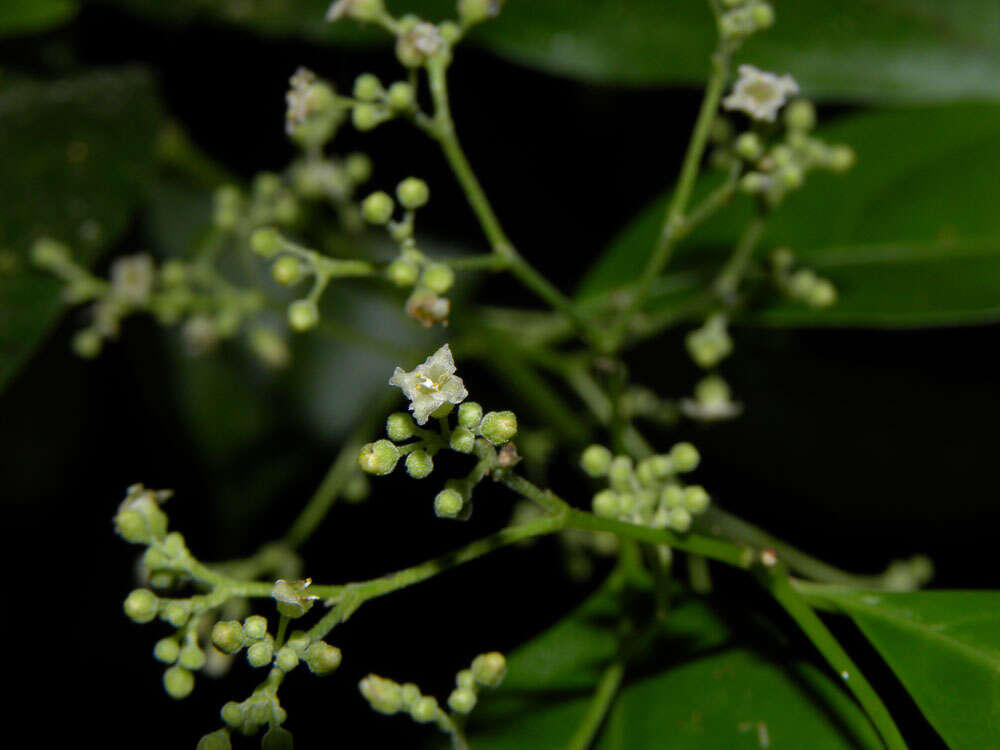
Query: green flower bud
x=379 y=457
x=791 y=175
x=462 y=440
x=679 y=519
x=462 y=700
x=322 y=658
x=368 y=88
x=287 y=270
x=489 y=669
x=627 y=501
x=293 y=599
x=131 y=526
x=438 y=278
x=377 y=208
x=303 y=314
x=762 y=15
x=685 y=457
x=823 y=294
x=645 y=474
x=228 y=636
x=620 y=473
x=425 y=710
x=663 y=466
x=385 y=696
x=410 y=694
x=178 y=682
x=265 y=242
x=191 y=657
x=400 y=427
x=260 y=653
x=217 y=740
x=749 y=146
x=47 y=253
x=255 y=627
x=711 y=343
x=358 y=167
x=754 y=183
x=403 y=272
x=596 y=460
x=498 y=426
x=419 y=464
x=368 y=116
x=415 y=45
x=800 y=115
x=841 y=158
x=696 y=499
x=413 y=193
x=401 y=98
x=277 y=738
x=477 y=11
x=605 y=503
x=464 y=679
x=87 y=343
x=166 y=650
x=470 y=414
x=286 y=659
x=232 y=714
x=448 y=504
x=141 y=605
x=672 y=496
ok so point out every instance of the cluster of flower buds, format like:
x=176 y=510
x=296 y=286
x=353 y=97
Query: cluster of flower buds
x=313 y=110
x=271 y=200
x=800 y=284
x=648 y=493
x=251 y=715
x=389 y=697
x=434 y=389
x=178 y=292
x=375 y=104
x=712 y=402
x=641 y=402
x=711 y=343
x=741 y=18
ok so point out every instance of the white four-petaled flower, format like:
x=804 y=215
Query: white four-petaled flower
x=760 y=94
x=430 y=385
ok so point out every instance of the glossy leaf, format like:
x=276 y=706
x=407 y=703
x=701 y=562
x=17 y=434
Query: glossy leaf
x=905 y=50
x=697 y=687
x=945 y=648
x=29 y=16
x=77 y=155
x=910 y=236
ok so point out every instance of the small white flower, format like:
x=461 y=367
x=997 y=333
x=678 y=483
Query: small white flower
x=431 y=384
x=712 y=401
x=297 y=98
x=760 y=94
x=132 y=278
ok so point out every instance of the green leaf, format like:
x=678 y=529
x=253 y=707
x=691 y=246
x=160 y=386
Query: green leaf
x=910 y=236
x=885 y=50
x=77 y=155
x=29 y=16
x=945 y=648
x=697 y=687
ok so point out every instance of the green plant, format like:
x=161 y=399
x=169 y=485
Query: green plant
x=643 y=510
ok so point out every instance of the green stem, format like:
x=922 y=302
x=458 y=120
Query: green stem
x=599 y=706
x=729 y=278
x=674 y=221
x=800 y=611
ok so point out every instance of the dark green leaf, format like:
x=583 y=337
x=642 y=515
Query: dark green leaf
x=697 y=687
x=77 y=154
x=910 y=236
x=899 y=50
x=945 y=648
x=28 y=16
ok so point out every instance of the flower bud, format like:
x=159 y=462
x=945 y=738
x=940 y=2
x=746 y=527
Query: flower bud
x=191 y=657
x=438 y=277
x=462 y=440
x=448 y=504
x=823 y=294
x=679 y=519
x=489 y=669
x=47 y=253
x=403 y=272
x=255 y=627
x=358 y=167
x=685 y=457
x=462 y=700
x=470 y=414
x=87 y=343
x=800 y=115
x=277 y=738
x=672 y=496
x=131 y=526
x=260 y=653
x=620 y=473
x=298 y=641
x=217 y=740
x=379 y=457
x=178 y=682
x=322 y=658
x=413 y=193
x=596 y=460
x=696 y=499
x=605 y=504
x=419 y=464
x=368 y=116
x=303 y=314
x=749 y=147
x=228 y=637
x=287 y=270
x=141 y=605
x=385 y=696
x=477 y=11
x=841 y=158
x=368 y=88
x=232 y=714
x=166 y=650
x=414 y=46
x=286 y=659
x=425 y=710
x=762 y=15
x=293 y=598
x=377 y=208
x=401 y=98
x=265 y=242
x=498 y=426
x=400 y=427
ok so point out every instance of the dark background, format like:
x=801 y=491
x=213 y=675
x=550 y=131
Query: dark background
x=858 y=446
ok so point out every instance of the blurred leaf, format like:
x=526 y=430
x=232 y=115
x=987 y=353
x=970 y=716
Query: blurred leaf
x=945 y=648
x=896 y=50
x=77 y=155
x=29 y=16
x=698 y=687
x=910 y=236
